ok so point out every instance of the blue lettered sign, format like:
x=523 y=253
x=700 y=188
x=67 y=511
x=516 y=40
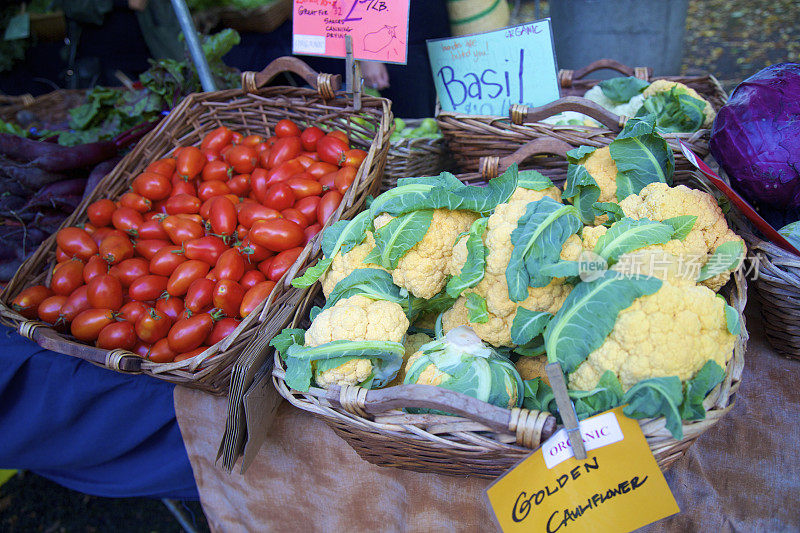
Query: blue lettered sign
x=484 y=73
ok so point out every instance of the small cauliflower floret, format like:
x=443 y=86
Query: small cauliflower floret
x=423 y=270
x=532 y=368
x=603 y=169
x=659 y=86
x=412 y=345
x=627 y=109
x=494 y=287
x=344 y=264
x=459 y=257
x=672 y=332
x=659 y=201
x=352 y=372
x=430 y=376
x=357 y=318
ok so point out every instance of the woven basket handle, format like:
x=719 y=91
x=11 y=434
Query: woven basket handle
x=326 y=84
x=44 y=336
x=492 y=166
x=521 y=114
x=530 y=427
x=566 y=77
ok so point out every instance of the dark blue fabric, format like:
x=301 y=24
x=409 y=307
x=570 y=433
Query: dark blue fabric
x=88 y=428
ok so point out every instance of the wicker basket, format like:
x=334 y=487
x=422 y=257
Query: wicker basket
x=413 y=157
x=49 y=111
x=484 y=440
x=248 y=111
x=469 y=137
x=776 y=274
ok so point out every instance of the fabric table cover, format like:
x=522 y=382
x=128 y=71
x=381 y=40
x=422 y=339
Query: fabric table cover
x=87 y=428
x=741 y=475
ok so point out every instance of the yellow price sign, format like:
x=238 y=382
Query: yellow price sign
x=618 y=487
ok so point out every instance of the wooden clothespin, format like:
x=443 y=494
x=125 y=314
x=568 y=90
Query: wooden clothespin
x=352 y=73
x=566 y=408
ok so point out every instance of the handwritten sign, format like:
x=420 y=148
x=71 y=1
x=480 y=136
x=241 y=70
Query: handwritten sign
x=617 y=488
x=484 y=73
x=379 y=28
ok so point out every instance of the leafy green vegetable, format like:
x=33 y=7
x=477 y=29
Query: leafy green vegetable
x=725 y=258
x=533 y=180
x=372 y=283
x=476 y=308
x=341 y=236
x=682 y=225
x=577 y=155
x=445 y=192
x=790 y=231
x=629 y=234
x=607 y=395
x=588 y=315
x=286 y=338
x=537 y=240
x=697 y=388
x=654 y=397
x=621 y=90
x=386 y=358
x=641 y=160
x=528 y=325
x=731 y=318
x=396 y=238
x=675 y=111
x=474 y=268
x=582 y=190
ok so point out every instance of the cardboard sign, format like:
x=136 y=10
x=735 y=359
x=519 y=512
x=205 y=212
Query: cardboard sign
x=484 y=73
x=379 y=28
x=617 y=488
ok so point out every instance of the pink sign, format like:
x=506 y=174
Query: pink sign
x=378 y=28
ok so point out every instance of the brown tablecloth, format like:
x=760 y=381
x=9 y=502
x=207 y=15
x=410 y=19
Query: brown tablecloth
x=741 y=475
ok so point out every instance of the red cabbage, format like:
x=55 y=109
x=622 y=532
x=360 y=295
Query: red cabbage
x=756 y=138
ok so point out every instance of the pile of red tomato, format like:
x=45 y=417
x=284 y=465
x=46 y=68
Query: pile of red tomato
x=196 y=244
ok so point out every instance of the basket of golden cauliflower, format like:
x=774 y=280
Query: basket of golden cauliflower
x=633 y=285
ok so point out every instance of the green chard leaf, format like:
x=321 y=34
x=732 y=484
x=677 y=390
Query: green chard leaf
x=654 y=397
x=386 y=358
x=396 y=238
x=588 y=315
x=697 y=389
x=476 y=307
x=528 y=325
x=629 y=234
x=641 y=160
x=474 y=268
x=724 y=259
x=286 y=338
x=621 y=90
x=537 y=241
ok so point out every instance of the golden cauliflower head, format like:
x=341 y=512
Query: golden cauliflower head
x=603 y=169
x=659 y=201
x=672 y=332
x=423 y=270
x=357 y=318
x=659 y=86
x=494 y=287
x=412 y=345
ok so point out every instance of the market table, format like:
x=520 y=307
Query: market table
x=741 y=475
x=87 y=428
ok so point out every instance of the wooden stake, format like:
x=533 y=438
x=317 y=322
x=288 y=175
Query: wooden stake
x=566 y=408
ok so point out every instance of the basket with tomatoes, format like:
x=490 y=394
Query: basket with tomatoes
x=189 y=245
